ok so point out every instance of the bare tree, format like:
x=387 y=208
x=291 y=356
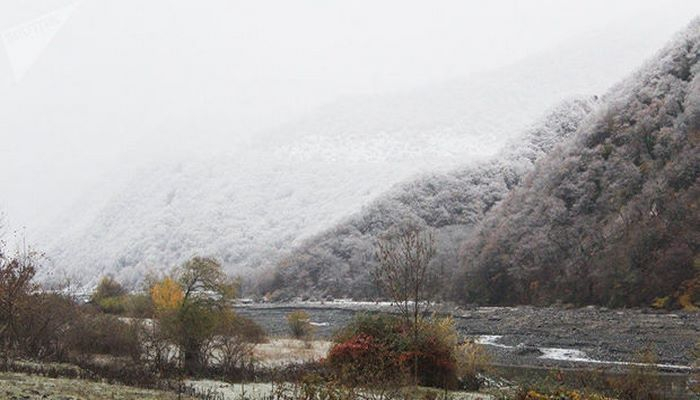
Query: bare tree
x=230 y=349
x=404 y=273
x=16 y=288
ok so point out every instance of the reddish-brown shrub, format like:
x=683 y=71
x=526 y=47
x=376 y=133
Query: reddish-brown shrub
x=362 y=359
x=381 y=347
x=437 y=365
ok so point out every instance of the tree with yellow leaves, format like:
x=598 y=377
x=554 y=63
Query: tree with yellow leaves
x=167 y=295
x=192 y=305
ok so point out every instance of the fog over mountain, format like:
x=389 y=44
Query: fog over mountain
x=338 y=261
x=248 y=207
x=597 y=203
x=190 y=131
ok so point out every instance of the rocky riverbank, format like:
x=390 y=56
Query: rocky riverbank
x=532 y=336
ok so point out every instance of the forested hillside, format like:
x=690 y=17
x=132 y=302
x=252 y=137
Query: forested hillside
x=588 y=208
x=337 y=262
x=612 y=218
x=254 y=201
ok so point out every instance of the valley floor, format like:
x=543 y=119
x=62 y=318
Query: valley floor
x=531 y=336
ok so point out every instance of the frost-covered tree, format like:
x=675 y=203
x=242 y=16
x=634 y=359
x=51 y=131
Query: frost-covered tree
x=338 y=262
x=403 y=272
x=611 y=216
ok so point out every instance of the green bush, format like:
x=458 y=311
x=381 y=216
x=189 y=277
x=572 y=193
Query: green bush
x=300 y=324
x=112 y=305
x=606 y=151
x=131 y=305
x=108 y=287
x=139 y=306
x=385 y=326
x=112 y=298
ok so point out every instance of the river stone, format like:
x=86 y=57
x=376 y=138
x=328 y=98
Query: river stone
x=528 y=351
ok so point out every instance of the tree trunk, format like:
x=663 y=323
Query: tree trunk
x=191 y=360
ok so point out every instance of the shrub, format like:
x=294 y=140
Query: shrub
x=249 y=330
x=642 y=382
x=661 y=303
x=315 y=386
x=16 y=286
x=104 y=334
x=108 y=287
x=472 y=360
x=366 y=351
x=157 y=349
x=381 y=346
x=385 y=326
x=606 y=151
x=363 y=360
x=231 y=349
x=532 y=394
x=435 y=351
x=139 y=306
x=112 y=298
x=43 y=322
x=132 y=305
x=299 y=323
x=112 y=305
x=33 y=323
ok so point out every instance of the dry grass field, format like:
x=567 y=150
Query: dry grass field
x=14 y=386
x=279 y=352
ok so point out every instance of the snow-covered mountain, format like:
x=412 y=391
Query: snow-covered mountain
x=248 y=206
x=611 y=218
x=338 y=261
x=594 y=204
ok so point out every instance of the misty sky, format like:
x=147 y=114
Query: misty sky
x=89 y=88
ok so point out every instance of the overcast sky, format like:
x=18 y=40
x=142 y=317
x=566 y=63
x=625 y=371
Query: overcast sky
x=89 y=87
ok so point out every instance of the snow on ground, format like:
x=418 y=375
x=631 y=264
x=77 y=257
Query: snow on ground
x=230 y=391
x=492 y=340
x=580 y=356
x=253 y=391
x=573 y=355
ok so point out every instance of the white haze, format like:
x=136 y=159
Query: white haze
x=122 y=86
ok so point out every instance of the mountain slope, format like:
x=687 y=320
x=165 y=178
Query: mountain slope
x=338 y=261
x=249 y=206
x=612 y=217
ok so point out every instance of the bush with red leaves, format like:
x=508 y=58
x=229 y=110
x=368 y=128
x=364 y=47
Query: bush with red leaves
x=363 y=359
x=379 y=348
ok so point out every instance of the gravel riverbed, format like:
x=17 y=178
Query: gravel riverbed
x=531 y=336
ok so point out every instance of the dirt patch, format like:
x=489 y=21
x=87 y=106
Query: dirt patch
x=278 y=352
